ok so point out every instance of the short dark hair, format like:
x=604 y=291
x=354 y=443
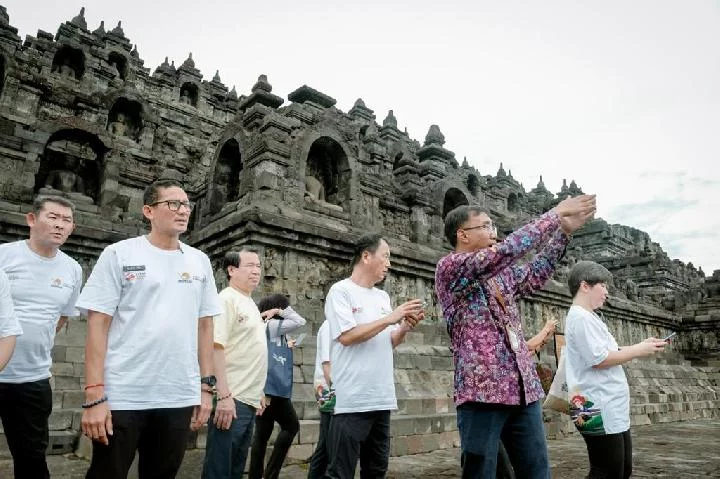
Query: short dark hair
x=273 y=301
x=40 y=201
x=152 y=192
x=590 y=272
x=369 y=243
x=457 y=217
x=232 y=258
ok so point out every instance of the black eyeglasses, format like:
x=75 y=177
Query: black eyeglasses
x=174 y=205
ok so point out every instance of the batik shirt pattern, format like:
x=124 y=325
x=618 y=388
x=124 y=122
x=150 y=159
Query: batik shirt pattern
x=478 y=292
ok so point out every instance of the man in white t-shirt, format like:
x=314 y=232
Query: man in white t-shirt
x=9 y=326
x=323 y=392
x=241 y=362
x=148 y=355
x=44 y=285
x=597 y=387
x=364 y=332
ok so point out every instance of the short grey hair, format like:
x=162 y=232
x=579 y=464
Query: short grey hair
x=590 y=272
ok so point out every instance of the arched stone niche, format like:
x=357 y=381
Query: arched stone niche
x=453 y=198
x=69 y=61
x=513 y=202
x=189 y=93
x=327 y=174
x=225 y=185
x=125 y=118
x=473 y=185
x=71 y=165
x=119 y=63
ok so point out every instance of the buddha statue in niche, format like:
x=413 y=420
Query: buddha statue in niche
x=314 y=188
x=221 y=186
x=64 y=181
x=119 y=126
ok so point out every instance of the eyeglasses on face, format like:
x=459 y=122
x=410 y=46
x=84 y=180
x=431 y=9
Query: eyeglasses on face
x=489 y=227
x=174 y=205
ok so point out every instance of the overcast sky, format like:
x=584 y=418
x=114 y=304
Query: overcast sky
x=622 y=96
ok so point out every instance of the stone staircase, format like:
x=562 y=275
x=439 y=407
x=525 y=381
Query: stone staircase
x=425 y=419
x=670 y=388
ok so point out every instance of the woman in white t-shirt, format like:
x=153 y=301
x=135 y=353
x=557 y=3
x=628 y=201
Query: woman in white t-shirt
x=597 y=388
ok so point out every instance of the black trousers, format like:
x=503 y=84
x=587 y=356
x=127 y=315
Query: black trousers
x=24 y=410
x=281 y=411
x=320 y=458
x=610 y=455
x=359 y=435
x=160 y=436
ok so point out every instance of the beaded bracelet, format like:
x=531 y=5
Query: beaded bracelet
x=88 y=405
x=228 y=395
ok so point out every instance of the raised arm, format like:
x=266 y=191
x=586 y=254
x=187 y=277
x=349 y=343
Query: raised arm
x=489 y=261
x=290 y=322
x=533 y=275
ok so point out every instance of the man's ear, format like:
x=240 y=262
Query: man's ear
x=30 y=219
x=147 y=212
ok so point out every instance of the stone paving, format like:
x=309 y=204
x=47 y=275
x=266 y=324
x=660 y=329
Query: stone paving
x=671 y=450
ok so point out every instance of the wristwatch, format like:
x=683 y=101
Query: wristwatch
x=209 y=380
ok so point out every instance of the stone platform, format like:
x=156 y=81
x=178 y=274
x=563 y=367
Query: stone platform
x=668 y=450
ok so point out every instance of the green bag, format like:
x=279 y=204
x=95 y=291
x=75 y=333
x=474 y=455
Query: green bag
x=326 y=401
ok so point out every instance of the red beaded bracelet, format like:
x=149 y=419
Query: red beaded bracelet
x=94 y=386
x=228 y=395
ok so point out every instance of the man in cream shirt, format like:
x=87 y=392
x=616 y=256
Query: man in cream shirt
x=240 y=361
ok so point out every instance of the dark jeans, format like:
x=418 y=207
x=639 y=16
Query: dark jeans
x=281 y=411
x=25 y=409
x=160 y=436
x=504 y=467
x=226 y=450
x=482 y=426
x=363 y=435
x=610 y=455
x=320 y=458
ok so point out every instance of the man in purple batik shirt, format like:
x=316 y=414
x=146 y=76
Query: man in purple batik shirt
x=497 y=390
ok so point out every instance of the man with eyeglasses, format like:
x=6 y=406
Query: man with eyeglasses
x=44 y=285
x=241 y=363
x=150 y=302
x=497 y=389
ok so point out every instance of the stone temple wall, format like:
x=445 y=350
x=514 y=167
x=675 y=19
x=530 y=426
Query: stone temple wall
x=81 y=116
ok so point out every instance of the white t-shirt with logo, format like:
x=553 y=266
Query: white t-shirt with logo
x=363 y=372
x=600 y=397
x=42 y=289
x=155 y=298
x=322 y=355
x=9 y=325
x=240 y=330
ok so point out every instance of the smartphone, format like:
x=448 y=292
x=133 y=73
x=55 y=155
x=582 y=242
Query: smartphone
x=299 y=339
x=669 y=337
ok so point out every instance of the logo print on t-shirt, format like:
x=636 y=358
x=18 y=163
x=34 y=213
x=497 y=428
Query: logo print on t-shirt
x=56 y=283
x=185 y=278
x=357 y=310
